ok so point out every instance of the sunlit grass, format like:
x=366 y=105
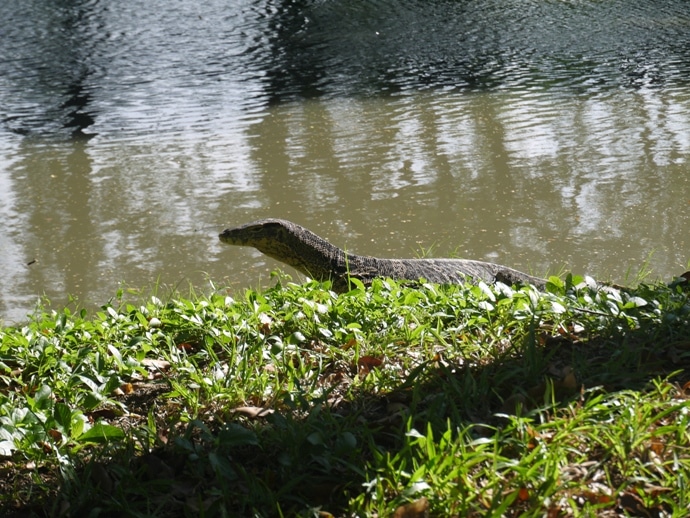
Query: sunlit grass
x=453 y=400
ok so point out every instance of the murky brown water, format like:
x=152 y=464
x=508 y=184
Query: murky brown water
x=541 y=135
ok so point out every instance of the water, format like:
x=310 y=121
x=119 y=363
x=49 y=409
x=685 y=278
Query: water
x=541 y=135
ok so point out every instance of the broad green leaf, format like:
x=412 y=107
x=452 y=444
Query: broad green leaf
x=7 y=448
x=101 y=433
x=233 y=435
x=63 y=417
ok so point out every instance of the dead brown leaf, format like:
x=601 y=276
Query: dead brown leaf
x=686 y=389
x=366 y=364
x=595 y=497
x=417 y=509
x=657 y=446
x=46 y=446
x=253 y=412
x=349 y=344
x=523 y=494
x=151 y=363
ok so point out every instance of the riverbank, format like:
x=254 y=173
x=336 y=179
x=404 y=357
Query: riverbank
x=387 y=401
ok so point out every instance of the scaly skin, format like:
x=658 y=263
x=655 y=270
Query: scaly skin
x=296 y=246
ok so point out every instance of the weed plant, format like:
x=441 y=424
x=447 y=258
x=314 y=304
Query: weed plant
x=390 y=400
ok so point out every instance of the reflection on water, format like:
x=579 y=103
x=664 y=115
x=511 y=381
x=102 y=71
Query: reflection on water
x=535 y=134
x=374 y=47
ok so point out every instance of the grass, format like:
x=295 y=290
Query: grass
x=386 y=401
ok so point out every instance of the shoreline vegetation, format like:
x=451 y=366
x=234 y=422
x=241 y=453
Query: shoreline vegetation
x=390 y=400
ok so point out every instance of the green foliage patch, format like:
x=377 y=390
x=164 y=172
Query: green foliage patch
x=391 y=400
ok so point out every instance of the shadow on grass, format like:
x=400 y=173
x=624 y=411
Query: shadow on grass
x=306 y=455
